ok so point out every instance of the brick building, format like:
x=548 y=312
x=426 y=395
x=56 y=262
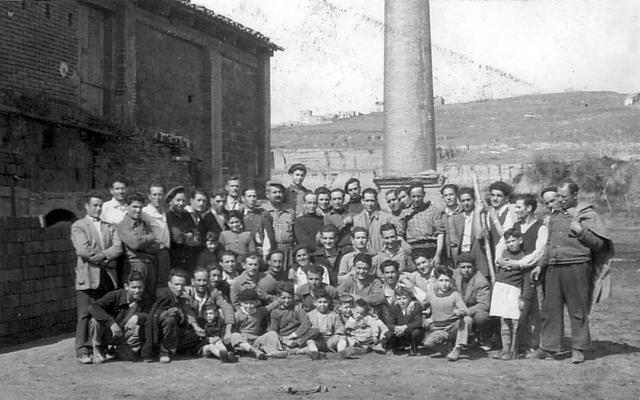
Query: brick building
x=155 y=90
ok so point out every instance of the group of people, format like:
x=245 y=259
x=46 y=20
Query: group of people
x=224 y=274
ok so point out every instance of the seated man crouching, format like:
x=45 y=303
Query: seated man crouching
x=118 y=319
x=476 y=293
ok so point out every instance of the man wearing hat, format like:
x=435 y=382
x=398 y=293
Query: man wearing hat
x=476 y=293
x=294 y=194
x=185 y=237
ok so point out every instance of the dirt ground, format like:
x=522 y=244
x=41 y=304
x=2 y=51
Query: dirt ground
x=48 y=370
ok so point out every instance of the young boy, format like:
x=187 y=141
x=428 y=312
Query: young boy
x=328 y=323
x=212 y=344
x=172 y=323
x=208 y=256
x=405 y=322
x=250 y=335
x=447 y=316
x=506 y=300
x=305 y=294
x=293 y=325
x=363 y=330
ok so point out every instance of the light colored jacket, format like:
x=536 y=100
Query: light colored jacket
x=88 y=243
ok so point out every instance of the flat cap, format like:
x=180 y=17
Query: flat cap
x=296 y=167
x=173 y=192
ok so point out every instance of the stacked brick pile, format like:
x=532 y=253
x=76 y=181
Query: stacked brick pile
x=36 y=280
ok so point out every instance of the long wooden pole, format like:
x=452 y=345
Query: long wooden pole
x=485 y=231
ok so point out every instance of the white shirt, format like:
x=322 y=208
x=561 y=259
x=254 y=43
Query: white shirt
x=113 y=212
x=157 y=220
x=98 y=225
x=466 y=233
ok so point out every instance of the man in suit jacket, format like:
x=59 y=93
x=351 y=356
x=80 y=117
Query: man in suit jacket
x=475 y=291
x=467 y=235
x=97 y=246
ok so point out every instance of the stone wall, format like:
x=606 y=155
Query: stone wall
x=37 y=296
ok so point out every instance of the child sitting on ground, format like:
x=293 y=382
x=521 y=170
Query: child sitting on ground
x=328 y=323
x=237 y=239
x=446 y=323
x=405 y=322
x=292 y=325
x=363 y=330
x=506 y=301
x=213 y=328
x=250 y=335
x=208 y=256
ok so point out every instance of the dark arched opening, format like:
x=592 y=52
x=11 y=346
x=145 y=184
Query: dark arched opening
x=59 y=215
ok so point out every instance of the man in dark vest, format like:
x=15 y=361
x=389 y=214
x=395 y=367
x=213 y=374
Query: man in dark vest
x=534 y=238
x=576 y=264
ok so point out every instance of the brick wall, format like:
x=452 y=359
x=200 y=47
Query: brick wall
x=37 y=296
x=240 y=119
x=36 y=38
x=173 y=92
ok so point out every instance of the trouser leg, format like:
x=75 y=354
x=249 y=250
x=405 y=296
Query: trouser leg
x=575 y=287
x=552 y=311
x=84 y=298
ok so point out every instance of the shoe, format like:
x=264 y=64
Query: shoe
x=378 y=349
x=454 y=355
x=413 y=353
x=258 y=354
x=314 y=355
x=577 y=357
x=232 y=357
x=224 y=356
x=498 y=355
x=165 y=358
x=347 y=353
x=147 y=360
x=508 y=356
x=278 y=354
x=98 y=358
x=485 y=347
x=541 y=355
x=84 y=359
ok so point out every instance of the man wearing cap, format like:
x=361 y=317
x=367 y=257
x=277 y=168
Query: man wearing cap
x=156 y=216
x=294 y=194
x=576 y=260
x=184 y=234
x=283 y=219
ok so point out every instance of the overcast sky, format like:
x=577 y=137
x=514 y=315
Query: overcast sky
x=333 y=49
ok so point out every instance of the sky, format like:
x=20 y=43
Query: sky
x=333 y=58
